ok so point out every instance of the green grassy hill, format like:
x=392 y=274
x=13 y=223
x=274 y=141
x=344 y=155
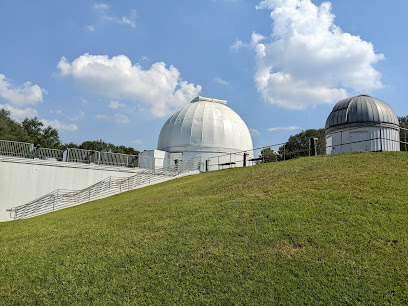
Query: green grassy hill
x=319 y=230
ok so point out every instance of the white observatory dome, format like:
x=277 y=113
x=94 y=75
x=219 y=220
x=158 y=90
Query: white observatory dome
x=205 y=126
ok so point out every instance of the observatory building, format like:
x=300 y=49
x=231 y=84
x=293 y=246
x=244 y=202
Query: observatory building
x=205 y=128
x=362 y=123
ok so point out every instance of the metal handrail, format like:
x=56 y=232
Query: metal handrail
x=45 y=153
x=63 y=198
x=29 y=150
x=16 y=149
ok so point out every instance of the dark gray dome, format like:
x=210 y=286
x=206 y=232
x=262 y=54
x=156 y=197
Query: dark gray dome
x=361 y=110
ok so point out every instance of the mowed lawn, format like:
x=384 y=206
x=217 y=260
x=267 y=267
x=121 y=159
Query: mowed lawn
x=316 y=230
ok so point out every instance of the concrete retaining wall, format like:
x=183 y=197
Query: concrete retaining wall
x=23 y=180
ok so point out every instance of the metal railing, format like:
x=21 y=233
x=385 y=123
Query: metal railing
x=51 y=154
x=16 y=149
x=63 y=198
x=29 y=150
x=284 y=151
x=118 y=159
x=82 y=156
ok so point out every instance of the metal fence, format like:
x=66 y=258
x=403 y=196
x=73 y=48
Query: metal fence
x=63 y=198
x=117 y=159
x=299 y=147
x=50 y=154
x=29 y=150
x=16 y=149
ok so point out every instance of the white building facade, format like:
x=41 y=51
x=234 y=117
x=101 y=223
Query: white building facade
x=362 y=123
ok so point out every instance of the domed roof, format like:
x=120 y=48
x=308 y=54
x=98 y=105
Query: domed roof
x=360 y=110
x=205 y=125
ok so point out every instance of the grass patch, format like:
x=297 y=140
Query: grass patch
x=321 y=230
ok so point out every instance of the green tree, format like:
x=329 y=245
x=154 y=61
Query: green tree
x=47 y=137
x=96 y=145
x=298 y=145
x=268 y=155
x=33 y=128
x=403 y=123
x=10 y=129
x=33 y=131
x=100 y=145
x=126 y=150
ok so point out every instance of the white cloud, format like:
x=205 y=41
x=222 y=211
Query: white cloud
x=91 y=28
x=237 y=44
x=20 y=96
x=18 y=113
x=79 y=116
x=130 y=21
x=254 y=132
x=161 y=88
x=285 y=128
x=83 y=100
x=125 y=20
x=64 y=67
x=138 y=141
x=255 y=38
x=221 y=81
x=101 y=6
x=307 y=60
x=58 y=111
x=59 y=125
x=116 y=105
x=118 y=118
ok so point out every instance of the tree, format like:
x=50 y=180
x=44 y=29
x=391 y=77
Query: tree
x=49 y=138
x=10 y=129
x=45 y=137
x=96 y=145
x=268 y=155
x=126 y=150
x=298 y=145
x=403 y=123
x=32 y=127
x=100 y=145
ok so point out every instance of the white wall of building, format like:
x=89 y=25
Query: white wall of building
x=217 y=160
x=24 y=180
x=362 y=139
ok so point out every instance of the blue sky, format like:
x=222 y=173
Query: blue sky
x=117 y=70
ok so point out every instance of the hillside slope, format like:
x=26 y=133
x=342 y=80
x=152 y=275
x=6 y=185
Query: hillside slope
x=317 y=230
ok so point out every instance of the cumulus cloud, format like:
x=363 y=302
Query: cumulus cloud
x=116 y=105
x=59 y=125
x=254 y=132
x=307 y=59
x=159 y=87
x=20 y=114
x=285 y=128
x=118 y=118
x=26 y=94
